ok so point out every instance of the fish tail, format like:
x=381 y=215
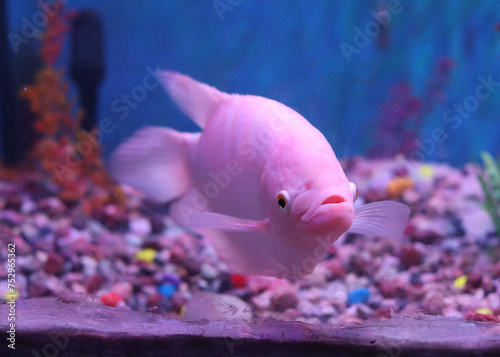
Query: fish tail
x=155 y=161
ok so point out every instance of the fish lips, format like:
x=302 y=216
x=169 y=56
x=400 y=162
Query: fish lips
x=333 y=216
x=327 y=198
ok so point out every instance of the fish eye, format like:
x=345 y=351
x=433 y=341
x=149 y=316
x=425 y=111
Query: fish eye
x=283 y=200
x=354 y=191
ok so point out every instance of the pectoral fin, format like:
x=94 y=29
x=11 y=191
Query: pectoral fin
x=385 y=218
x=194 y=219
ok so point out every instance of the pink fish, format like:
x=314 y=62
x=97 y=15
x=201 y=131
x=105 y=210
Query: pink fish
x=259 y=180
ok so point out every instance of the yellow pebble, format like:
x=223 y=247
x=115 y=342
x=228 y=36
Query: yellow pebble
x=460 y=282
x=484 y=311
x=426 y=171
x=11 y=295
x=183 y=310
x=146 y=255
x=398 y=185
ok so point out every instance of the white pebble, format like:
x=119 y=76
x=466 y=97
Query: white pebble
x=494 y=301
x=208 y=271
x=89 y=265
x=133 y=240
x=140 y=226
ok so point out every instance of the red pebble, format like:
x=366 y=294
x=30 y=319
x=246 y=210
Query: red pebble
x=54 y=264
x=238 y=280
x=475 y=316
x=410 y=256
x=111 y=299
x=94 y=283
x=383 y=312
x=496 y=270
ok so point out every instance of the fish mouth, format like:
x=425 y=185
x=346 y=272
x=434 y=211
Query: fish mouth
x=323 y=202
x=333 y=199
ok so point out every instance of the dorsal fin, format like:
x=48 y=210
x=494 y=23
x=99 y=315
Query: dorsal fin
x=197 y=100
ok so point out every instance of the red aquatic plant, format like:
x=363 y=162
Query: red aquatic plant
x=403 y=114
x=68 y=156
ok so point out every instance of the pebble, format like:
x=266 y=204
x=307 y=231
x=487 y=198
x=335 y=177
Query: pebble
x=460 y=282
x=96 y=255
x=22 y=247
x=358 y=296
x=167 y=289
x=410 y=256
x=28 y=264
x=238 y=280
x=146 y=255
x=179 y=300
x=474 y=281
x=484 y=311
x=383 y=312
x=157 y=224
x=398 y=185
x=28 y=206
x=494 y=301
x=334 y=269
x=89 y=265
x=94 y=283
x=123 y=289
x=140 y=226
x=111 y=299
x=174 y=279
x=284 y=299
x=208 y=271
x=54 y=264
x=133 y=239
x=474 y=316
x=496 y=270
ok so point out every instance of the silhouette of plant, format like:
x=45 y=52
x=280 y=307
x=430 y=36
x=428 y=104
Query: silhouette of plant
x=403 y=114
x=69 y=156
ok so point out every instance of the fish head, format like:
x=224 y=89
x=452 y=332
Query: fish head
x=329 y=212
x=318 y=209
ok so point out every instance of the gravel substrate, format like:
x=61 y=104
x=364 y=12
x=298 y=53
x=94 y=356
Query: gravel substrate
x=447 y=262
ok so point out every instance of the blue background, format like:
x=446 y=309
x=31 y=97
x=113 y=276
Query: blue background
x=290 y=51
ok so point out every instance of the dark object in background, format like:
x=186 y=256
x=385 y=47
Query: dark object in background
x=87 y=62
x=11 y=134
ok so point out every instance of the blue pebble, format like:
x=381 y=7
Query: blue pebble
x=172 y=279
x=167 y=289
x=358 y=295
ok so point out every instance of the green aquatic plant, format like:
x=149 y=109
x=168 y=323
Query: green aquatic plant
x=490 y=182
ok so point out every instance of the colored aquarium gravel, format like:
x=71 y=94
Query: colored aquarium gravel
x=444 y=264
x=358 y=296
x=111 y=299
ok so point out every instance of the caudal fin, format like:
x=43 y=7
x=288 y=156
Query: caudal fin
x=385 y=218
x=155 y=161
x=197 y=100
